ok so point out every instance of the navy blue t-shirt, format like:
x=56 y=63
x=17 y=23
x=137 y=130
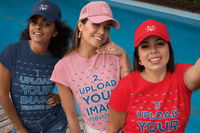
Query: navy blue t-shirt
x=30 y=79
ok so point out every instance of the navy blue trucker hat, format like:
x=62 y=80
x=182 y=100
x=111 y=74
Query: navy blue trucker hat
x=46 y=9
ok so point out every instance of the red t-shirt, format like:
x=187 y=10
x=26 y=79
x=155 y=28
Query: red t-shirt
x=153 y=107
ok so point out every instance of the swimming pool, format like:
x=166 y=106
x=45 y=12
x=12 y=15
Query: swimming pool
x=184 y=32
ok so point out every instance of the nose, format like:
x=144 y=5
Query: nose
x=101 y=30
x=153 y=50
x=38 y=26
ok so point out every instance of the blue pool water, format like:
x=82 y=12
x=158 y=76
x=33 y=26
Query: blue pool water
x=184 y=33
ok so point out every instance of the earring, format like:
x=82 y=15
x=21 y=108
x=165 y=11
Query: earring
x=79 y=35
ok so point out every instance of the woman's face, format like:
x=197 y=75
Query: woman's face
x=154 y=53
x=94 y=34
x=40 y=30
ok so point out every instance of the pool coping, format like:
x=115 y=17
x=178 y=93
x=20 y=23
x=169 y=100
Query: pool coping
x=162 y=9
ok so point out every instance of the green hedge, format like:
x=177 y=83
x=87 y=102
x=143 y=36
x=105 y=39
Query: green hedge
x=195 y=1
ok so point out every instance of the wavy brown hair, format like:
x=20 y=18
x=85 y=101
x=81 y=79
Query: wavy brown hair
x=75 y=39
x=58 y=45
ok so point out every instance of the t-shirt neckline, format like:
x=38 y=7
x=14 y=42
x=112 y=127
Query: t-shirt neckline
x=86 y=59
x=154 y=84
x=33 y=53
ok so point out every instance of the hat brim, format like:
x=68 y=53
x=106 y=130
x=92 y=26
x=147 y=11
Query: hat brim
x=137 y=43
x=99 y=19
x=46 y=16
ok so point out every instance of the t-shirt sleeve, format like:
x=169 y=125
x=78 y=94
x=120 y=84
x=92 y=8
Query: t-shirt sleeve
x=116 y=59
x=119 y=98
x=7 y=57
x=59 y=74
x=181 y=71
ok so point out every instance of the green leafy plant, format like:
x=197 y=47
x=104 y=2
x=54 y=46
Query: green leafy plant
x=194 y=1
x=197 y=1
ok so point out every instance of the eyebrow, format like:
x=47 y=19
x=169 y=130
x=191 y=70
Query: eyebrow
x=108 y=24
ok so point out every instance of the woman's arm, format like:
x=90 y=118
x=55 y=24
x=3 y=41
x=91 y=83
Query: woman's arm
x=69 y=107
x=192 y=76
x=116 y=120
x=53 y=100
x=113 y=49
x=126 y=67
x=5 y=77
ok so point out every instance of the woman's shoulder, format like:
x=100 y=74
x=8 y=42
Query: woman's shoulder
x=181 y=67
x=125 y=84
x=18 y=46
x=70 y=55
x=67 y=58
x=130 y=78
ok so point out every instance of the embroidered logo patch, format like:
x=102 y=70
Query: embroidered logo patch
x=105 y=10
x=43 y=7
x=150 y=28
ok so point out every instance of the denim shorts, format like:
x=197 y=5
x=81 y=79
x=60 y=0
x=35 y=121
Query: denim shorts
x=54 y=122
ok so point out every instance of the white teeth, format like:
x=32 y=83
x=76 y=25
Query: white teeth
x=155 y=59
x=98 y=38
x=38 y=33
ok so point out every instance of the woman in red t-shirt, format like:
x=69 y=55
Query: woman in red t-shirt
x=156 y=97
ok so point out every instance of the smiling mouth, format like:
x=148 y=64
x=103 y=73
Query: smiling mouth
x=98 y=38
x=36 y=33
x=156 y=59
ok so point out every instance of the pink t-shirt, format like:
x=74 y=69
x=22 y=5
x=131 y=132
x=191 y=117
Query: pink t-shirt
x=153 y=107
x=91 y=81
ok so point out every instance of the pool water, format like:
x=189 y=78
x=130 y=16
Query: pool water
x=184 y=33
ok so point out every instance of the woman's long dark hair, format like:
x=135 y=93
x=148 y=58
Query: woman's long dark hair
x=58 y=45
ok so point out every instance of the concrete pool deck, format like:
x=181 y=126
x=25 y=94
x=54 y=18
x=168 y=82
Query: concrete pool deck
x=162 y=9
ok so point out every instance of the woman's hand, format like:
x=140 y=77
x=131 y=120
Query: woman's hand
x=112 y=49
x=53 y=100
x=23 y=130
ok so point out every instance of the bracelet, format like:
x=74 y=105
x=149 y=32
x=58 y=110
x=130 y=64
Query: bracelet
x=128 y=70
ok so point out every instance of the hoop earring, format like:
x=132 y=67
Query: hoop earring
x=79 y=35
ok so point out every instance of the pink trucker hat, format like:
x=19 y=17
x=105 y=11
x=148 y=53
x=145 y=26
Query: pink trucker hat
x=151 y=28
x=98 y=12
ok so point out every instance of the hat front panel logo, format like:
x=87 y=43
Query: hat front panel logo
x=150 y=28
x=43 y=7
x=105 y=10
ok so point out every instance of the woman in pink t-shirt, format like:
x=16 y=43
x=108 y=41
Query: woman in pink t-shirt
x=156 y=97
x=91 y=69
